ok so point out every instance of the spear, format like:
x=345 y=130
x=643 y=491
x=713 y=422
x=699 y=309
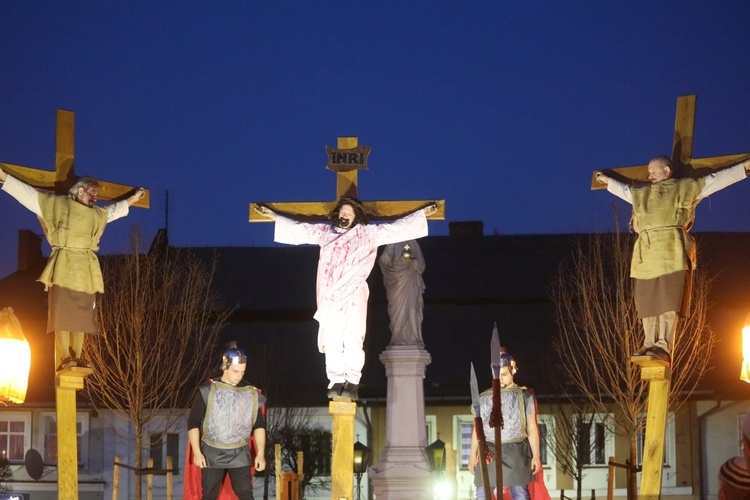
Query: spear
x=479 y=429
x=496 y=419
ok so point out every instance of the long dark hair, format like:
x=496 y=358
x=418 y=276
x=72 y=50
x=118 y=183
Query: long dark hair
x=360 y=216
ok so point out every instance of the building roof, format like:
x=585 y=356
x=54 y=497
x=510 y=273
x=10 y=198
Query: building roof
x=471 y=283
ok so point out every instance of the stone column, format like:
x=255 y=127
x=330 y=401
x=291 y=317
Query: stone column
x=403 y=471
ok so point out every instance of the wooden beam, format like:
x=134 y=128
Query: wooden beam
x=346 y=185
x=311 y=211
x=682 y=152
x=64 y=176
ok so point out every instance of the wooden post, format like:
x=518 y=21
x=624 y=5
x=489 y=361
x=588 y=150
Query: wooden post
x=170 y=490
x=277 y=460
x=611 y=479
x=300 y=472
x=67 y=383
x=116 y=477
x=149 y=480
x=658 y=375
x=342 y=465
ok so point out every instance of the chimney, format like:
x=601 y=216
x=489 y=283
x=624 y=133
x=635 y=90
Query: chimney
x=29 y=250
x=466 y=228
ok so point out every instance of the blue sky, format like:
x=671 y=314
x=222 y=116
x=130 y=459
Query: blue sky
x=503 y=109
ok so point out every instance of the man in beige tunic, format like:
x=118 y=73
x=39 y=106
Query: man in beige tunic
x=664 y=254
x=73 y=226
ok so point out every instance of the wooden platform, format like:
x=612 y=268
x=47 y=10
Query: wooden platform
x=649 y=362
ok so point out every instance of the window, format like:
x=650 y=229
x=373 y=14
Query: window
x=596 y=439
x=15 y=432
x=462 y=427
x=49 y=425
x=316 y=448
x=431 y=433
x=162 y=446
x=546 y=434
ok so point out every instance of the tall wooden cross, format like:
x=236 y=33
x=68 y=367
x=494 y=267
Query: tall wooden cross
x=657 y=372
x=346 y=160
x=64 y=176
x=682 y=152
x=68 y=382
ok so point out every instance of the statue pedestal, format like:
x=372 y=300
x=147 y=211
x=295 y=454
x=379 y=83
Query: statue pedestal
x=403 y=471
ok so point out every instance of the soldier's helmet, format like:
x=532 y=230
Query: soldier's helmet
x=233 y=355
x=508 y=360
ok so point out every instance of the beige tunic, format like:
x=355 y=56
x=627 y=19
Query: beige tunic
x=73 y=231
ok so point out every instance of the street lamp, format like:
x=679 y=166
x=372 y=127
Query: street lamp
x=15 y=358
x=436 y=456
x=362 y=458
x=745 y=372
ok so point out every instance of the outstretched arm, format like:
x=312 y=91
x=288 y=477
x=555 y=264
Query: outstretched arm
x=265 y=211
x=139 y=193
x=25 y=194
x=430 y=209
x=723 y=178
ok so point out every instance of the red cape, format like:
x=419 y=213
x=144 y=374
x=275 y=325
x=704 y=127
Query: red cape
x=191 y=487
x=537 y=489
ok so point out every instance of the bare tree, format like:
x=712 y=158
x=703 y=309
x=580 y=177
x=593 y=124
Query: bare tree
x=159 y=320
x=292 y=427
x=571 y=441
x=599 y=329
x=294 y=430
x=6 y=475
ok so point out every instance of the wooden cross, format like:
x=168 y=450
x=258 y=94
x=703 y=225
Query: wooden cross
x=68 y=382
x=64 y=175
x=346 y=160
x=682 y=152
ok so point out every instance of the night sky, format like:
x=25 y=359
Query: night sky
x=501 y=108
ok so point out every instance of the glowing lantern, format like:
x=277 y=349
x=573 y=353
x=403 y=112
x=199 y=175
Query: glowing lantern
x=15 y=358
x=745 y=372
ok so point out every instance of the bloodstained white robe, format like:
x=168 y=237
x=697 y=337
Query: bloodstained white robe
x=346 y=258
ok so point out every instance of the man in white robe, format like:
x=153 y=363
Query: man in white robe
x=348 y=249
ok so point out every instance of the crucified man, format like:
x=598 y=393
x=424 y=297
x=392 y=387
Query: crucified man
x=73 y=225
x=348 y=249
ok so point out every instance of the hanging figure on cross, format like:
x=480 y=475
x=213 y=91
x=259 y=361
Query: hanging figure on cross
x=73 y=225
x=663 y=213
x=348 y=250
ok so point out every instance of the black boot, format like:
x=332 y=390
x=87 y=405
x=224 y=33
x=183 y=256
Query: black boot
x=350 y=391
x=335 y=390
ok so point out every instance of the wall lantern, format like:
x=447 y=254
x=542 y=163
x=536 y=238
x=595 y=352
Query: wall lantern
x=745 y=372
x=15 y=358
x=436 y=456
x=362 y=458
